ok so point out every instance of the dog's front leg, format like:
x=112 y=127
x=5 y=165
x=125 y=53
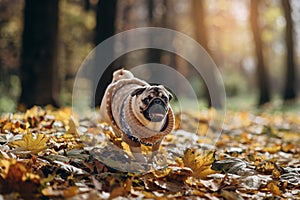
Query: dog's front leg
x=155 y=148
x=135 y=148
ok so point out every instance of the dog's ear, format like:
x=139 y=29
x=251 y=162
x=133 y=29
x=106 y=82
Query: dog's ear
x=170 y=96
x=138 y=91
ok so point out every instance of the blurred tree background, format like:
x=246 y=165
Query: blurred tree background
x=255 y=44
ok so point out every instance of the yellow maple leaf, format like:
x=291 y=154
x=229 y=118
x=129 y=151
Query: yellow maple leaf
x=199 y=163
x=29 y=143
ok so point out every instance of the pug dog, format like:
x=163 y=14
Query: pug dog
x=138 y=112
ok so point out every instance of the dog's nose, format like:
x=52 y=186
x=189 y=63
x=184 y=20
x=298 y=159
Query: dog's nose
x=156 y=101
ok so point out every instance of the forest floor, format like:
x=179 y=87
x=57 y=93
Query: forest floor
x=45 y=153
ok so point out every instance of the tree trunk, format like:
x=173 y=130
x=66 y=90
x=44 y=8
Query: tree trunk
x=263 y=80
x=290 y=80
x=201 y=35
x=154 y=55
x=87 y=5
x=105 y=19
x=105 y=28
x=39 y=70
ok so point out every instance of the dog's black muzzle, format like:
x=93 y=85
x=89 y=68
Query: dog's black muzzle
x=156 y=111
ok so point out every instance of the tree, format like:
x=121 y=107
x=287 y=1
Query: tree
x=87 y=5
x=105 y=28
x=39 y=70
x=201 y=34
x=290 y=80
x=263 y=80
x=155 y=55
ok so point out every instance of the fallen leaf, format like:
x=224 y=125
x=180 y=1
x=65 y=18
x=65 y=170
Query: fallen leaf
x=289 y=147
x=230 y=165
x=29 y=143
x=128 y=185
x=66 y=193
x=292 y=177
x=179 y=174
x=252 y=182
x=70 y=169
x=230 y=195
x=72 y=128
x=16 y=178
x=171 y=186
x=70 y=191
x=199 y=163
x=171 y=179
x=118 y=191
x=273 y=188
x=272 y=149
x=212 y=185
x=269 y=167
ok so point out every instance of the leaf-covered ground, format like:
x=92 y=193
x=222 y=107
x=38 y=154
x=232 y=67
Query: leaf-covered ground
x=45 y=153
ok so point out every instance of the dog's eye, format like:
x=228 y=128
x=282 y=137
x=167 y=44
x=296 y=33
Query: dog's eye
x=164 y=98
x=146 y=101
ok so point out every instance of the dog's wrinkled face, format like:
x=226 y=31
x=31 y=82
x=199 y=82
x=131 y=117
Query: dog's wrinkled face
x=153 y=102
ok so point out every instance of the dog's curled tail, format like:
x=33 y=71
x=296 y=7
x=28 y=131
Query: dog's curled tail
x=122 y=74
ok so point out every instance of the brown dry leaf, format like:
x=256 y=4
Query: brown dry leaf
x=230 y=195
x=29 y=143
x=171 y=186
x=70 y=168
x=14 y=126
x=200 y=164
x=35 y=111
x=179 y=174
x=272 y=149
x=212 y=185
x=8 y=126
x=128 y=185
x=14 y=170
x=70 y=191
x=4 y=166
x=63 y=114
x=20 y=168
x=17 y=178
x=291 y=177
x=289 y=147
x=269 y=167
x=71 y=129
x=273 y=188
x=34 y=116
x=172 y=172
x=171 y=179
x=230 y=165
x=66 y=193
x=118 y=191
x=49 y=192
